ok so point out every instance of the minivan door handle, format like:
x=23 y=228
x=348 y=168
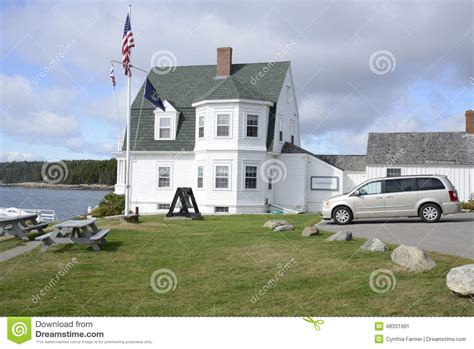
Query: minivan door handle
x=389 y=197
x=379 y=197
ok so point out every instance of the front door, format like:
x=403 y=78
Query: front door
x=370 y=202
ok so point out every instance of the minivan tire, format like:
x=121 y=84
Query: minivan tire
x=430 y=213
x=342 y=215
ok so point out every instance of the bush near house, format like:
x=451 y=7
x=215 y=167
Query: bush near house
x=112 y=204
x=468 y=205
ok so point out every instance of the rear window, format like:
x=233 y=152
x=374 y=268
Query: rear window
x=429 y=184
x=398 y=185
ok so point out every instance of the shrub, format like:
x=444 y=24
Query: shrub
x=112 y=204
x=468 y=205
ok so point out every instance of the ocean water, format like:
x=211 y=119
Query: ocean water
x=66 y=203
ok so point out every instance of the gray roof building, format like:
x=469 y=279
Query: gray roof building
x=416 y=148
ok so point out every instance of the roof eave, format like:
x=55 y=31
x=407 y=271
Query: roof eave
x=237 y=100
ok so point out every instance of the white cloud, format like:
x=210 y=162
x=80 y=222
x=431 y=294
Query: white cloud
x=9 y=156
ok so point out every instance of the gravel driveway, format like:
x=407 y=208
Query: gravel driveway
x=452 y=235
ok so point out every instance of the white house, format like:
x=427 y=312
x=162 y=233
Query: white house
x=231 y=132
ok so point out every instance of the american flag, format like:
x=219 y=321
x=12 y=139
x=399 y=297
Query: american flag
x=127 y=44
x=112 y=75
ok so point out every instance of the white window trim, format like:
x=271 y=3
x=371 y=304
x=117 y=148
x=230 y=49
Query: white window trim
x=203 y=176
x=259 y=125
x=164 y=164
x=222 y=163
x=244 y=165
x=197 y=126
x=220 y=112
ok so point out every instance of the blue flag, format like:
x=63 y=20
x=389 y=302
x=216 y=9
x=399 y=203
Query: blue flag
x=153 y=96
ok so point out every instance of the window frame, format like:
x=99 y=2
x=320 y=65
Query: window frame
x=203 y=127
x=244 y=176
x=246 y=125
x=412 y=186
x=229 y=176
x=200 y=177
x=229 y=124
x=382 y=187
x=170 y=127
x=170 y=176
x=418 y=188
x=393 y=169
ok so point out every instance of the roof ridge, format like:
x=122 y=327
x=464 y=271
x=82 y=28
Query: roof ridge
x=214 y=65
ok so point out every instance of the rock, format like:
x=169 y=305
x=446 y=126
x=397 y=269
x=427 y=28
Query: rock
x=340 y=236
x=461 y=280
x=374 y=245
x=273 y=223
x=412 y=257
x=310 y=231
x=284 y=227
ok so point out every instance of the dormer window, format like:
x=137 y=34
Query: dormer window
x=165 y=127
x=166 y=123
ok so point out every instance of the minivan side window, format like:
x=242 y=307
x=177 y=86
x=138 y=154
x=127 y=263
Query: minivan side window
x=371 y=188
x=429 y=184
x=398 y=185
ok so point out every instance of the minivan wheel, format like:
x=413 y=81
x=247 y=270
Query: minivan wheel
x=430 y=213
x=342 y=215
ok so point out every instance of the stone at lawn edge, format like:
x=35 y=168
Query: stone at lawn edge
x=341 y=236
x=284 y=227
x=374 y=245
x=273 y=223
x=310 y=231
x=460 y=280
x=412 y=258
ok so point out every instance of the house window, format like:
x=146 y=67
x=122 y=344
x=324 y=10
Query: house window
x=222 y=177
x=270 y=184
x=164 y=179
x=200 y=177
x=252 y=125
x=223 y=125
x=281 y=136
x=292 y=139
x=201 y=127
x=164 y=206
x=165 y=128
x=221 y=209
x=250 y=177
x=394 y=172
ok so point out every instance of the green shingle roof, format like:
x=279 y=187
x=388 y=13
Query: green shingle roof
x=182 y=86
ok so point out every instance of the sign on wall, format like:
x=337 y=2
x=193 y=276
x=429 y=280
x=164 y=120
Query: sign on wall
x=324 y=183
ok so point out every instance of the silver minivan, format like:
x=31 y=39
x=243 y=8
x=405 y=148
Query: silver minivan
x=424 y=196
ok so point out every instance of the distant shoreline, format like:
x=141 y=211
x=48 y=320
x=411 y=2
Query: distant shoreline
x=43 y=185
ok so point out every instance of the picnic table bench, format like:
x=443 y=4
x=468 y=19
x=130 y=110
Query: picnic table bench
x=75 y=232
x=20 y=225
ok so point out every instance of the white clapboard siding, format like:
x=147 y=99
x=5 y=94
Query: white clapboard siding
x=353 y=178
x=462 y=177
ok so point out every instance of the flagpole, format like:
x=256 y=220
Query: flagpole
x=128 y=172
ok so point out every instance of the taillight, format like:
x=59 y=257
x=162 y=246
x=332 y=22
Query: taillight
x=453 y=195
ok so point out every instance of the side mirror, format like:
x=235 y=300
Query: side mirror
x=356 y=193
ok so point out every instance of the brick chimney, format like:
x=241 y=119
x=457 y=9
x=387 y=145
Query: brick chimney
x=224 y=62
x=470 y=121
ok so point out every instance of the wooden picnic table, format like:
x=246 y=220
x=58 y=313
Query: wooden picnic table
x=20 y=225
x=75 y=232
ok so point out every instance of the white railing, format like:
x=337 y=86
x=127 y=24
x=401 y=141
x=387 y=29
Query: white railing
x=43 y=215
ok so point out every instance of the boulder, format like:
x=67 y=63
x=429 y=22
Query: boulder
x=374 y=245
x=461 y=280
x=412 y=258
x=273 y=223
x=284 y=227
x=341 y=236
x=310 y=231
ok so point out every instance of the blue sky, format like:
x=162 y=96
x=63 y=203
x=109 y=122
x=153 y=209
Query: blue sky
x=69 y=111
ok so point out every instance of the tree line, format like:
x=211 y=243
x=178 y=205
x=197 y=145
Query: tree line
x=63 y=172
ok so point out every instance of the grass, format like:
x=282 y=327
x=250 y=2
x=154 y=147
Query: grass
x=221 y=263
x=8 y=244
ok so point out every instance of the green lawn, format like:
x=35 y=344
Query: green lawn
x=220 y=263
